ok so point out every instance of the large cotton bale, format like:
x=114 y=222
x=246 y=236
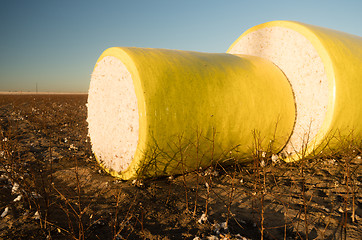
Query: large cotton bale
x=324 y=67
x=155 y=112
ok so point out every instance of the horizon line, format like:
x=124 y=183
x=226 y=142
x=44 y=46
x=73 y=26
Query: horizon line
x=37 y=93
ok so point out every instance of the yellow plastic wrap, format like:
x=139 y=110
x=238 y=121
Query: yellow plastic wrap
x=341 y=54
x=198 y=108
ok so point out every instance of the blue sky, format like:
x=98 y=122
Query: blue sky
x=56 y=43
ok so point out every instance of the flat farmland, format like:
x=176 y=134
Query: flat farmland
x=51 y=187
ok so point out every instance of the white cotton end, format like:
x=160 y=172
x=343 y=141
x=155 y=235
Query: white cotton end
x=113 y=114
x=299 y=60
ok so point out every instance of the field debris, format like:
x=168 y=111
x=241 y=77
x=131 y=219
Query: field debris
x=36 y=215
x=48 y=174
x=5 y=212
x=18 y=198
x=203 y=219
x=15 y=188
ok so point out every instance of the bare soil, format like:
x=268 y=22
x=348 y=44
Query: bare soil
x=51 y=187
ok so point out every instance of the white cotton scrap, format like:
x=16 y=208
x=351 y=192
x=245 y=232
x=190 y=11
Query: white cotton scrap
x=137 y=183
x=17 y=199
x=211 y=172
x=36 y=215
x=275 y=158
x=6 y=211
x=216 y=228
x=212 y=237
x=238 y=236
x=262 y=163
x=35 y=195
x=224 y=225
x=15 y=188
x=72 y=147
x=202 y=219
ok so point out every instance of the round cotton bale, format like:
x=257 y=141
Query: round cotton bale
x=154 y=112
x=324 y=68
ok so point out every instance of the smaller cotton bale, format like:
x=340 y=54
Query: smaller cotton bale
x=154 y=112
x=324 y=68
